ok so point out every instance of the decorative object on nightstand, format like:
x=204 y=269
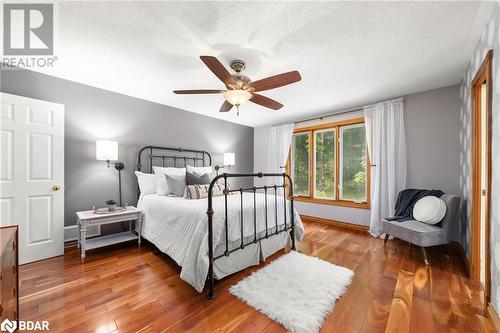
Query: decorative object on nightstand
x=111 y=205
x=229 y=159
x=91 y=217
x=106 y=150
x=105 y=210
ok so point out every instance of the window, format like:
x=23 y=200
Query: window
x=352 y=163
x=329 y=164
x=324 y=164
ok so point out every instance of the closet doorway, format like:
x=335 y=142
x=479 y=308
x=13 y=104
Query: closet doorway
x=481 y=174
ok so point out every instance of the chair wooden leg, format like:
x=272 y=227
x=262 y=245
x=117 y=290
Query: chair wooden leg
x=426 y=260
x=386 y=238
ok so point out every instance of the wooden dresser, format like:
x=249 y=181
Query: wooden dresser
x=9 y=282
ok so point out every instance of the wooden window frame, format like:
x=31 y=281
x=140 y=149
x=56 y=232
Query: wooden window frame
x=337 y=201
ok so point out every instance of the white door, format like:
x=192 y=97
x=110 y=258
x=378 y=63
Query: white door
x=32 y=174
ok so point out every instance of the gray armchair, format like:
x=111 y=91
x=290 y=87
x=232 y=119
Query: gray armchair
x=422 y=234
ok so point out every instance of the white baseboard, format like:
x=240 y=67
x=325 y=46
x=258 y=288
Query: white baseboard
x=71 y=232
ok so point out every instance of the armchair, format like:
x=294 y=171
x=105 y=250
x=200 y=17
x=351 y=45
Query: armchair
x=422 y=234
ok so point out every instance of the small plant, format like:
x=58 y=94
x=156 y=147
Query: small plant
x=111 y=205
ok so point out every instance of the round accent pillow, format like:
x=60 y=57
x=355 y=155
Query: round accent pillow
x=429 y=209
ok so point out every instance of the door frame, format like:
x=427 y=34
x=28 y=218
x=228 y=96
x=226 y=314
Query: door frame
x=484 y=74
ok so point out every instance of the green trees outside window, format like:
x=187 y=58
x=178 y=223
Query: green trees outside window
x=353 y=163
x=324 y=161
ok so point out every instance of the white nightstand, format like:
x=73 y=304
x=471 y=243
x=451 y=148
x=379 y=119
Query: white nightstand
x=88 y=218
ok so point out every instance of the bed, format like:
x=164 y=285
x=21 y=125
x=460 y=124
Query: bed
x=217 y=236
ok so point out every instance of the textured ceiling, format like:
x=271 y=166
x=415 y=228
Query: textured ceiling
x=348 y=53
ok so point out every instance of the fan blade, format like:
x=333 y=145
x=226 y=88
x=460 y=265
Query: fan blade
x=276 y=81
x=226 y=106
x=201 y=91
x=265 y=101
x=218 y=69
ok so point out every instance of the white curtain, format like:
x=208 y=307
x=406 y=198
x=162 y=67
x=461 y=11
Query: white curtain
x=280 y=139
x=385 y=136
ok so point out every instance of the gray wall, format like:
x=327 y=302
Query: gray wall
x=433 y=150
x=490 y=40
x=93 y=114
x=432 y=121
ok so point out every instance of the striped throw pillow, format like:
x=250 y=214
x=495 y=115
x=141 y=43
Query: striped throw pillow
x=200 y=191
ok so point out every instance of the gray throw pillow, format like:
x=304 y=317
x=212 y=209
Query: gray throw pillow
x=193 y=178
x=176 y=184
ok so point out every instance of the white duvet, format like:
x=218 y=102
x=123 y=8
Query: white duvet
x=179 y=227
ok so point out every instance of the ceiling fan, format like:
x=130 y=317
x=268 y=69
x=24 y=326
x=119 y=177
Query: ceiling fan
x=240 y=89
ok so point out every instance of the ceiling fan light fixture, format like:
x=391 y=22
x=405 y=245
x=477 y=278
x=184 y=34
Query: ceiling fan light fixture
x=237 y=96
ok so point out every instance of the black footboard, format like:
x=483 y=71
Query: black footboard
x=267 y=190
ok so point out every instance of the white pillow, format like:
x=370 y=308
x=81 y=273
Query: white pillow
x=161 y=180
x=200 y=170
x=429 y=209
x=147 y=182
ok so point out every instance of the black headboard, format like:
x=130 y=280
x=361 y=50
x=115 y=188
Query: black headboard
x=151 y=156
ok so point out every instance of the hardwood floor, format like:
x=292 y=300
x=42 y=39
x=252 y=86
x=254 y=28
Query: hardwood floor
x=125 y=289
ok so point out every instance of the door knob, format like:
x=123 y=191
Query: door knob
x=56 y=187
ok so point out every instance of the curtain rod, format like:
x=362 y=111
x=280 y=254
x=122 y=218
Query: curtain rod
x=398 y=99
x=328 y=115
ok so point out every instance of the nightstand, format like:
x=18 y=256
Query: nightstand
x=88 y=218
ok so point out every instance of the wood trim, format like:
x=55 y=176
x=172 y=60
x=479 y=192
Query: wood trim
x=340 y=224
x=334 y=202
x=484 y=74
x=352 y=121
x=494 y=317
x=342 y=203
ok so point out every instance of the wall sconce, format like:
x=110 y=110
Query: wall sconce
x=106 y=150
x=229 y=159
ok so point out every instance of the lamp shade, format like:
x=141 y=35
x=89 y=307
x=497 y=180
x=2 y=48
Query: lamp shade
x=237 y=96
x=228 y=158
x=106 y=150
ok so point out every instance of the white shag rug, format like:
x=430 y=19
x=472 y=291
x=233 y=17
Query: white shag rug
x=295 y=290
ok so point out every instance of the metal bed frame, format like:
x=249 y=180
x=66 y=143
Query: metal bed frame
x=165 y=154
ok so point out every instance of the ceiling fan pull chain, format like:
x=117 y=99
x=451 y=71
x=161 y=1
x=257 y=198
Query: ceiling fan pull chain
x=237 y=110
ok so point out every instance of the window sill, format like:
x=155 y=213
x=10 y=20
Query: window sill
x=342 y=203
